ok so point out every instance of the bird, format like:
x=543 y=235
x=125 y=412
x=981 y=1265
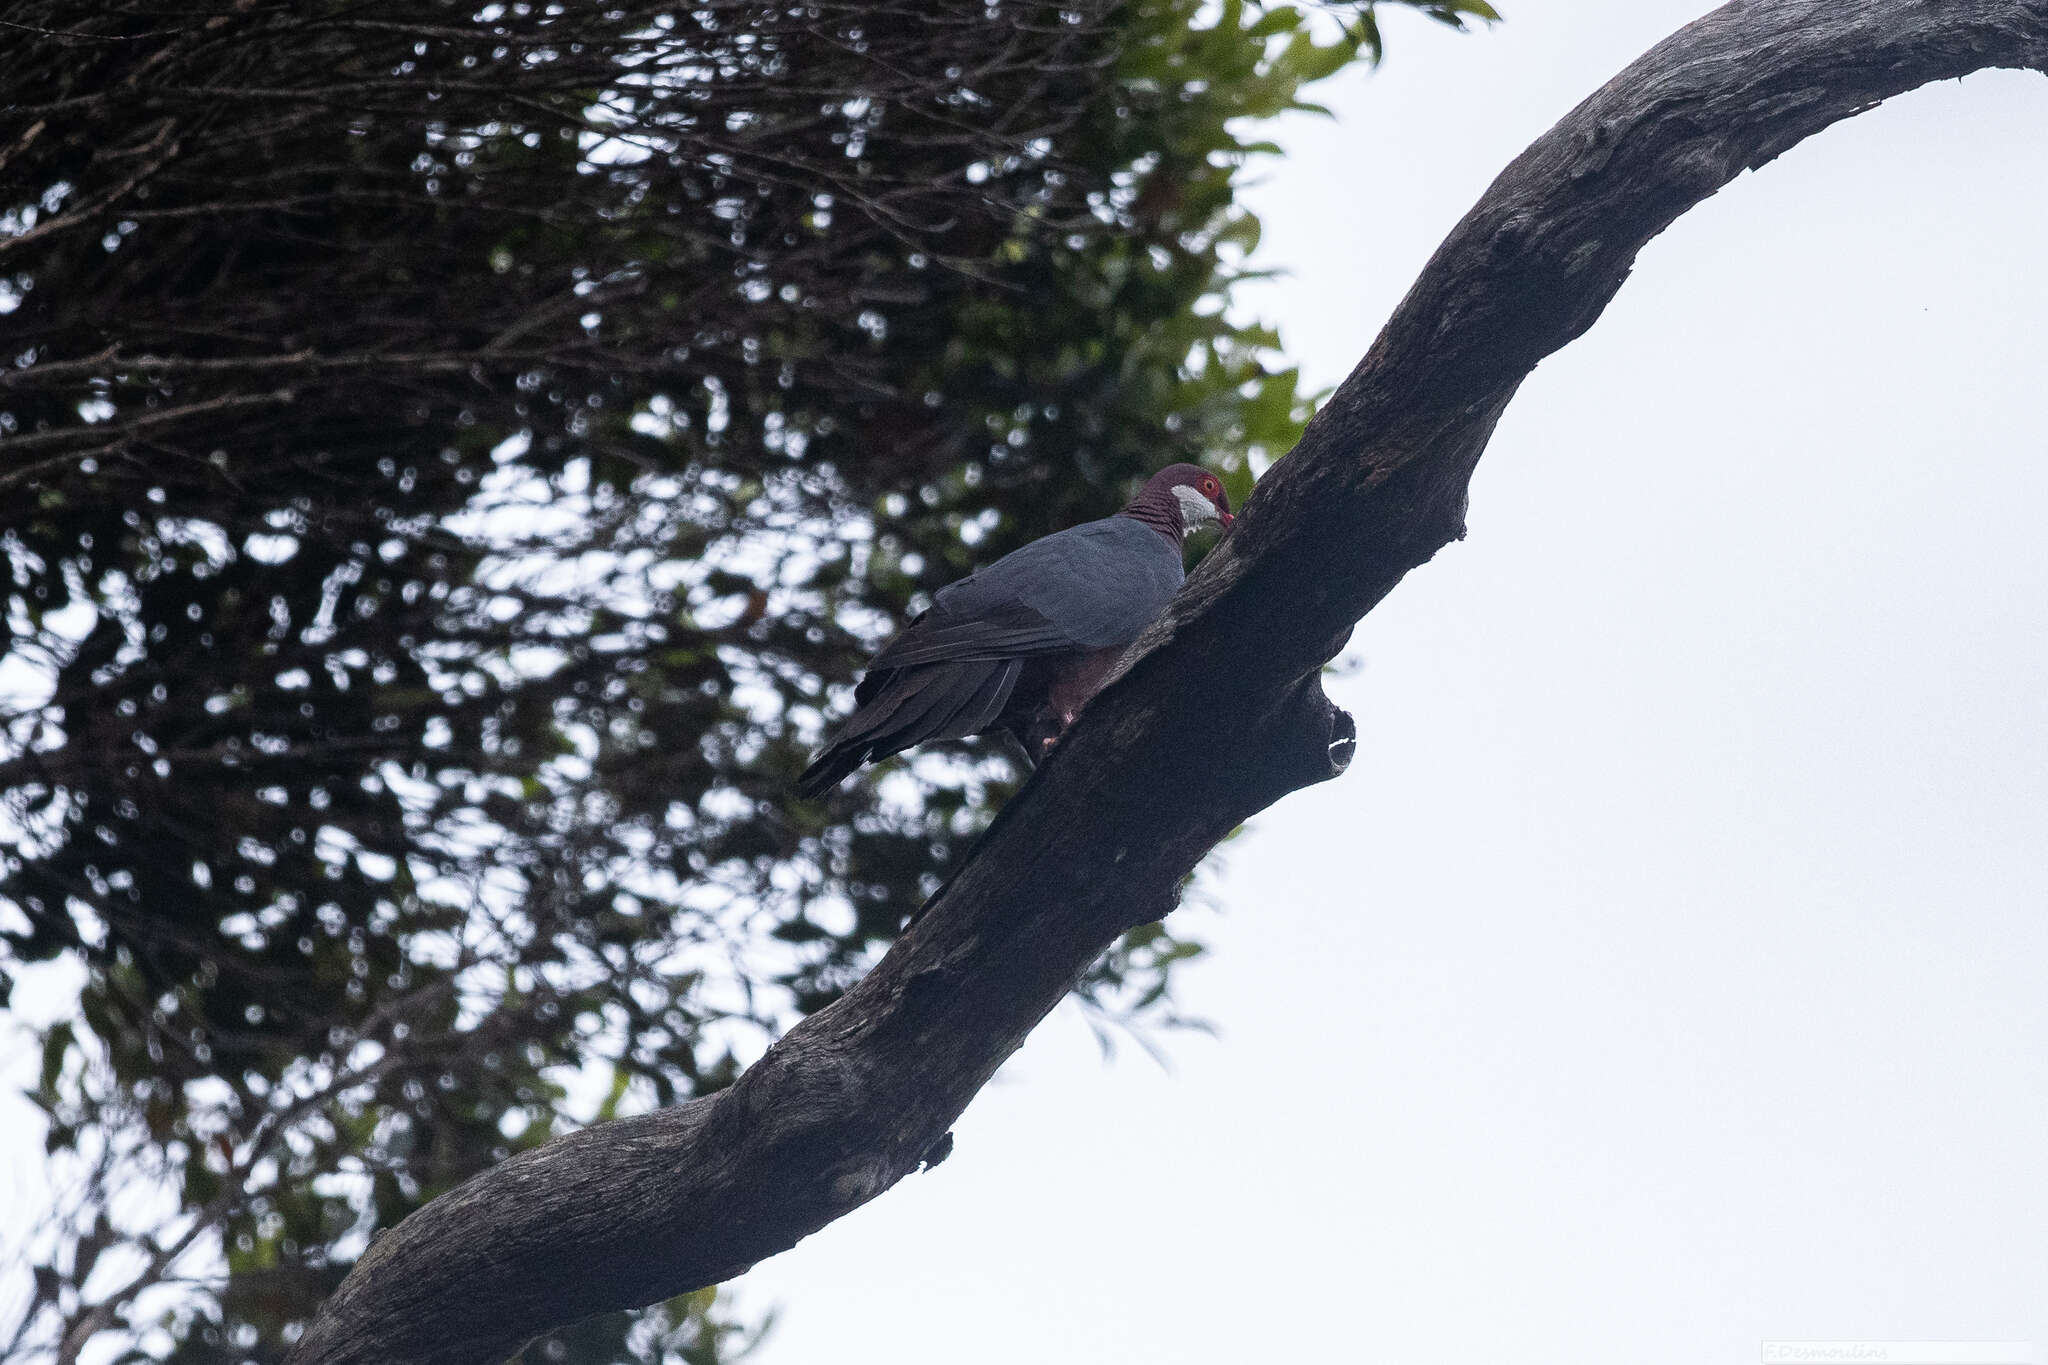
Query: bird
x=1021 y=645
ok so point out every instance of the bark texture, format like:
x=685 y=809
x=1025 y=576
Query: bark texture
x=1100 y=840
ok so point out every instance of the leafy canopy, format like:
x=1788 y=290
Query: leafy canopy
x=456 y=460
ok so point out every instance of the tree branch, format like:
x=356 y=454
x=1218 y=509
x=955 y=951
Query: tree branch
x=1102 y=837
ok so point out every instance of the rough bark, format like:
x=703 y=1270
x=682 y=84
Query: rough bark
x=1102 y=837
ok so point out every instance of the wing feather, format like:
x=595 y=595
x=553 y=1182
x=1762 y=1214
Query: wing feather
x=954 y=669
x=1089 y=587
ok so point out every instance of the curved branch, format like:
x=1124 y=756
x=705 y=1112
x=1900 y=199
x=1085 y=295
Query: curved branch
x=1102 y=837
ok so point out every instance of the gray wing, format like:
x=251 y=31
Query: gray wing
x=1088 y=587
x=953 y=670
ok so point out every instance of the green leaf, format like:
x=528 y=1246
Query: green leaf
x=56 y=1046
x=1280 y=19
x=1315 y=63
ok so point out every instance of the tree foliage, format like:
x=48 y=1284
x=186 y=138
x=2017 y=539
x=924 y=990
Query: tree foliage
x=455 y=460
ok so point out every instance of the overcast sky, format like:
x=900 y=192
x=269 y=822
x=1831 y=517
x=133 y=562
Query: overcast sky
x=1670 y=972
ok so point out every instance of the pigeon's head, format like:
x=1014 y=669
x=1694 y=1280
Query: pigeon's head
x=1195 y=495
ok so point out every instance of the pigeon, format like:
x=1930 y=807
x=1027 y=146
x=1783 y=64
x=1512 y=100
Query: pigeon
x=1021 y=645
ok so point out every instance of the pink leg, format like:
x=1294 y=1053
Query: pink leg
x=1066 y=719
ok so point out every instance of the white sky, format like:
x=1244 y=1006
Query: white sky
x=1668 y=973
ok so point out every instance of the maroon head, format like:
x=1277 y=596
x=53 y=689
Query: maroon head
x=1181 y=498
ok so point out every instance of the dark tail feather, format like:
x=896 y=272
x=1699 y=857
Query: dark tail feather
x=916 y=705
x=983 y=704
x=873 y=731
x=833 y=765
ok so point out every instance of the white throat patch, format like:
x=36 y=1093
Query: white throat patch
x=1196 y=511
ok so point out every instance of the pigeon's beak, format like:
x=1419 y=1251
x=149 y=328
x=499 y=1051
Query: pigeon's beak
x=1224 y=519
